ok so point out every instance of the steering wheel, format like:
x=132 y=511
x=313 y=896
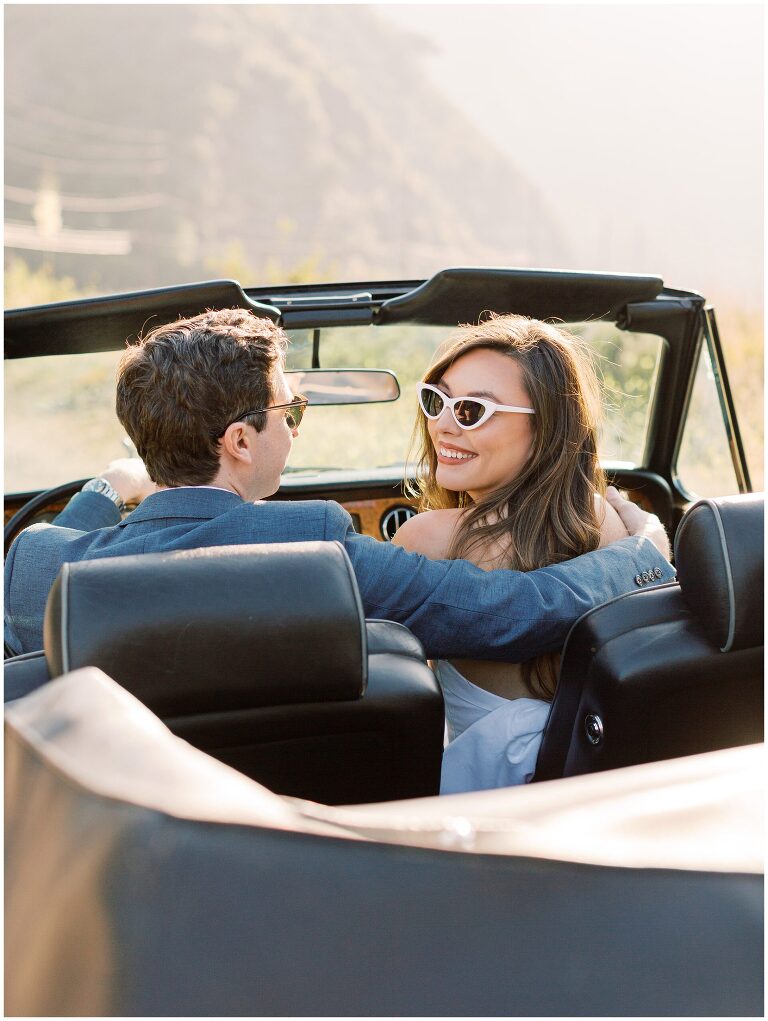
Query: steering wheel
x=31 y=508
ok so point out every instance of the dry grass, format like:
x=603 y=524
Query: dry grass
x=742 y=336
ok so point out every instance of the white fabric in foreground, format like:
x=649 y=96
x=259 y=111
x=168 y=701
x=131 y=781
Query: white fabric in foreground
x=493 y=741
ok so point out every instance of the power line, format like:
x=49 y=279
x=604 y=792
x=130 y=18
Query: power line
x=37 y=159
x=91 y=204
x=65 y=240
x=42 y=137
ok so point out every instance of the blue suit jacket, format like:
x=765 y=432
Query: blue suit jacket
x=456 y=609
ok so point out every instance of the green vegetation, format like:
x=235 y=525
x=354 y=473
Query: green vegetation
x=232 y=263
x=26 y=286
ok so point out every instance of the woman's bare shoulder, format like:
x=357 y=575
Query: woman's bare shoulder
x=611 y=526
x=429 y=533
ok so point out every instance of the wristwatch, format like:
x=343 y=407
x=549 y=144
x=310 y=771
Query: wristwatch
x=106 y=489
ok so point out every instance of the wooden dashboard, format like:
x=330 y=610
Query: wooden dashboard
x=378 y=509
x=369 y=515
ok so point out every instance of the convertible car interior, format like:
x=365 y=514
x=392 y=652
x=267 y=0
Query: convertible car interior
x=234 y=650
x=221 y=780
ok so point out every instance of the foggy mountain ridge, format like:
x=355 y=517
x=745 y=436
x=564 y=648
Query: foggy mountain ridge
x=289 y=132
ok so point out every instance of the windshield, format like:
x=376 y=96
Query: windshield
x=60 y=421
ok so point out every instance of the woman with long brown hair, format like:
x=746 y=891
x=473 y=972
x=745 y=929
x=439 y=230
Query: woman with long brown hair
x=508 y=476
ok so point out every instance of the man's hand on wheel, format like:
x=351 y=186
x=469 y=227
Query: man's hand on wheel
x=639 y=522
x=129 y=477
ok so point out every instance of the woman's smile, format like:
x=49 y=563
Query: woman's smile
x=451 y=455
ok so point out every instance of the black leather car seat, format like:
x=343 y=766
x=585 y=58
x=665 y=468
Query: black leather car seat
x=260 y=656
x=670 y=670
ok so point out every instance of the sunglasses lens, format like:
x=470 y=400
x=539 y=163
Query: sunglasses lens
x=295 y=413
x=468 y=413
x=432 y=403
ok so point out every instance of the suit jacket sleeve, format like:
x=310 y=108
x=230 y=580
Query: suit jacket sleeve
x=13 y=643
x=86 y=511
x=457 y=609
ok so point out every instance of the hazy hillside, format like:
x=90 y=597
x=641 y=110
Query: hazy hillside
x=195 y=139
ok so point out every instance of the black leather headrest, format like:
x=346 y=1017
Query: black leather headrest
x=214 y=629
x=719 y=558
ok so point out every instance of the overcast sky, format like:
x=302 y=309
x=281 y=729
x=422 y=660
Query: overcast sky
x=642 y=125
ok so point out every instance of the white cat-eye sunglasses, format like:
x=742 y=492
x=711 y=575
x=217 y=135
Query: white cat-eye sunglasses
x=468 y=412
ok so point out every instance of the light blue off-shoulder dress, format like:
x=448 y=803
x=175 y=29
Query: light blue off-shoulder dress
x=492 y=741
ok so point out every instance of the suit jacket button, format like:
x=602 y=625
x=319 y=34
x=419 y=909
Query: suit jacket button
x=646 y=576
x=638 y=580
x=657 y=571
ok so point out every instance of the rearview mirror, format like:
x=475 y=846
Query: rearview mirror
x=344 y=386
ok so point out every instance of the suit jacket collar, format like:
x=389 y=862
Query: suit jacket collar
x=185 y=502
